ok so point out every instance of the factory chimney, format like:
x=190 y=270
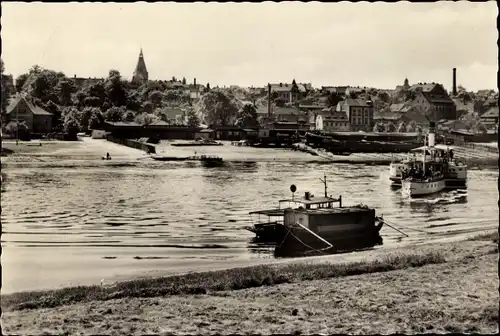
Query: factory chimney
x=268 y=99
x=454 y=81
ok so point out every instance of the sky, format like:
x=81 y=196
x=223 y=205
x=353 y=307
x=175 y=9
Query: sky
x=251 y=44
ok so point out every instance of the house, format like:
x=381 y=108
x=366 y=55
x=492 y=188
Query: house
x=431 y=99
x=354 y=91
x=173 y=115
x=290 y=114
x=415 y=116
x=463 y=107
x=328 y=89
x=36 y=118
x=490 y=118
x=386 y=116
x=285 y=91
x=205 y=134
x=359 y=113
x=332 y=121
x=82 y=81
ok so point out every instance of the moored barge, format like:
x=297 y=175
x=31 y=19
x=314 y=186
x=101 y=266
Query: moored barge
x=312 y=225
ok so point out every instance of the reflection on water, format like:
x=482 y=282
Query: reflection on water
x=180 y=213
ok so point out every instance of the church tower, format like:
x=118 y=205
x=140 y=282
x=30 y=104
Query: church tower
x=140 y=73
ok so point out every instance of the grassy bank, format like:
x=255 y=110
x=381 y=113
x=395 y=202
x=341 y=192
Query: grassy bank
x=240 y=278
x=451 y=287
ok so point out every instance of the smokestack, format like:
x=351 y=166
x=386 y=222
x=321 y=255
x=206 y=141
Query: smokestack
x=195 y=82
x=431 y=137
x=268 y=100
x=454 y=81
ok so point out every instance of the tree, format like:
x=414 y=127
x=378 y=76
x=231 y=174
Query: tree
x=115 y=89
x=129 y=116
x=85 y=116
x=71 y=125
x=390 y=128
x=6 y=89
x=192 y=119
x=145 y=118
x=183 y=80
x=247 y=117
x=20 y=81
x=96 y=119
x=155 y=97
x=57 y=119
x=334 y=98
x=64 y=90
x=134 y=101
x=383 y=96
x=115 y=114
x=218 y=108
x=379 y=127
x=401 y=127
x=481 y=128
x=18 y=130
x=411 y=127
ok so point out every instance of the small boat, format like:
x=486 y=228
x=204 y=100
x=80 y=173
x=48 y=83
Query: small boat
x=311 y=224
x=207 y=160
x=169 y=158
x=195 y=143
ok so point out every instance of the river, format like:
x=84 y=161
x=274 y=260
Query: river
x=76 y=220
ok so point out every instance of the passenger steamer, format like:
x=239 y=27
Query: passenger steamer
x=454 y=172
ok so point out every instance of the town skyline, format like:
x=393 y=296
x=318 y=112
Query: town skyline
x=436 y=48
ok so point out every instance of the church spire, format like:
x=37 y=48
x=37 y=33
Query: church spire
x=141 y=72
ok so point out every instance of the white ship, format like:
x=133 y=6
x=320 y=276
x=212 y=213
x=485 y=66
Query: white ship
x=455 y=172
x=426 y=176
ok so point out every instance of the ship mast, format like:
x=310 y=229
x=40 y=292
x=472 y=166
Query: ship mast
x=425 y=153
x=324 y=182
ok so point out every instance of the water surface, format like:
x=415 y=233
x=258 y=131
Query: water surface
x=73 y=220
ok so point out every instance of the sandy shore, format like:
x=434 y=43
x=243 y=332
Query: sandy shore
x=85 y=148
x=459 y=295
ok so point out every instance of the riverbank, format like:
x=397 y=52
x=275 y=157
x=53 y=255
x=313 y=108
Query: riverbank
x=449 y=287
x=84 y=148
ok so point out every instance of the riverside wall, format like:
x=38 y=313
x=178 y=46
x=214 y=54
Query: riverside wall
x=134 y=143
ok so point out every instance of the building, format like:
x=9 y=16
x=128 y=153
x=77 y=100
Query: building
x=82 y=81
x=431 y=99
x=463 y=107
x=385 y=116
x=359 y=113
x=356 y=91
x=290 y=92
x=141 y=74
x=490 y=118
x=36 y=118
x=287 y=92
x=173 y=115
x=332 y=121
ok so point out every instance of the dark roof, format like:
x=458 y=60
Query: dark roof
x=35 y=109
x=425 y=87
x=387 y=115
x=282 y=87
x=312 y=107
x=491 y=113
x=357 y=102
x=123 y=123
x=287 y=111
